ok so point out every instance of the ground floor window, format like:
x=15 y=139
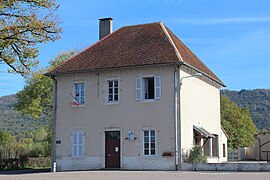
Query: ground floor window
x=215 y=146
x=77 y=144
x=224 y=150
x=206 y=147
x=149 y=142
x=210 y=146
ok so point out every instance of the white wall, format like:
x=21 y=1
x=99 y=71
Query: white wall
x=200 y=105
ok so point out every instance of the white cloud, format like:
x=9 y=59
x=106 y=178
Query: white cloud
x=215 y=21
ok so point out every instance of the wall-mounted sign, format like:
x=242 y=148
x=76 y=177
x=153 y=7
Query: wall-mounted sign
x=131 y=135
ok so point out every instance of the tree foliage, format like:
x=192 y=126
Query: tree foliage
x=36 y=98
x=28 y=144
x=238 y=124
x=24 y=24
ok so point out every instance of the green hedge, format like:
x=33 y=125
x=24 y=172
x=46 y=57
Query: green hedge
x=40 y=162
x=13 y=164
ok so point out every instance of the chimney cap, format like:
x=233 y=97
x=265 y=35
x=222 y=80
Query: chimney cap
x=105 y=19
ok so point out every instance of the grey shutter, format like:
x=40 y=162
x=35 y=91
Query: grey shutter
x=157 y=87
x=138 y=89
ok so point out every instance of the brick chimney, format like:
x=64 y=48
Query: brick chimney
x=105 y=27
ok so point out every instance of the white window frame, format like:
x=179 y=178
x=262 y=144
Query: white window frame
x=113 y=101
x=149 y=142
x=78 y=98
x=75 y=150
x=140 y=88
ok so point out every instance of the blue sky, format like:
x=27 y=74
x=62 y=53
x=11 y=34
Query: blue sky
x=232 y=37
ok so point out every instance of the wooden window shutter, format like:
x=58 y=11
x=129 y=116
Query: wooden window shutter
x=157 y=87
x=138 y=89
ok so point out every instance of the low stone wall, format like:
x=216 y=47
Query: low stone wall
x=249 y=167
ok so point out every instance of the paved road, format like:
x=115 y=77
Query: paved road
x=140 y=175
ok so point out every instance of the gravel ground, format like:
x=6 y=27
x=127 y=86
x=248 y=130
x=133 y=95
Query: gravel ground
x=139 y=175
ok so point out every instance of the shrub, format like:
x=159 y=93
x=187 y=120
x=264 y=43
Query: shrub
x=11 y=164
x=40 y=162
x=196 y=155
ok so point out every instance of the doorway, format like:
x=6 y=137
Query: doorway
x=112 y=149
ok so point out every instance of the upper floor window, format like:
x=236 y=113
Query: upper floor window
x=148 y=88
x=113 y=90
x=79 y=93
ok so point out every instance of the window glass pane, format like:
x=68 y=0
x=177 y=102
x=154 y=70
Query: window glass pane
x=116 y=97
x=110 y=97
x=146 y=152
x=110 y=90
x=146 y=145
x=115 y=83
x=146 y=139
x=152 y=151
x=110 y=84
x=146 y=133
x=116 y=90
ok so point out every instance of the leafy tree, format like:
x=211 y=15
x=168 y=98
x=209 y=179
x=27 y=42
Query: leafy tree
x=37 y=96
x=24 y=24
x=238 y=124
x=7 y=145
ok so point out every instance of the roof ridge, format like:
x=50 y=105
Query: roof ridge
x=157 y=22
x=171 y=41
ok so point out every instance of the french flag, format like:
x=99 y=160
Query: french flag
x=75 y=102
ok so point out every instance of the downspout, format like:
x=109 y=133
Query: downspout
x=53 y=150
x=176 y=118
x=178 y=154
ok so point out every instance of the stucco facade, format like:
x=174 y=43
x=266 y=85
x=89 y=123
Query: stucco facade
x=199 y=106
x=98 y=116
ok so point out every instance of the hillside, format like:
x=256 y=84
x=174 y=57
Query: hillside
x=12 y=120
x=257 y=101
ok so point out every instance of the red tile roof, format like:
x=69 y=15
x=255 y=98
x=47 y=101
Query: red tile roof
x=138 y=45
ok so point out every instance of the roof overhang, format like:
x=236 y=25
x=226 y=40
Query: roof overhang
x=203 y=132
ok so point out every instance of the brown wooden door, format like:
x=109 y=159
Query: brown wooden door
x=112 y=149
